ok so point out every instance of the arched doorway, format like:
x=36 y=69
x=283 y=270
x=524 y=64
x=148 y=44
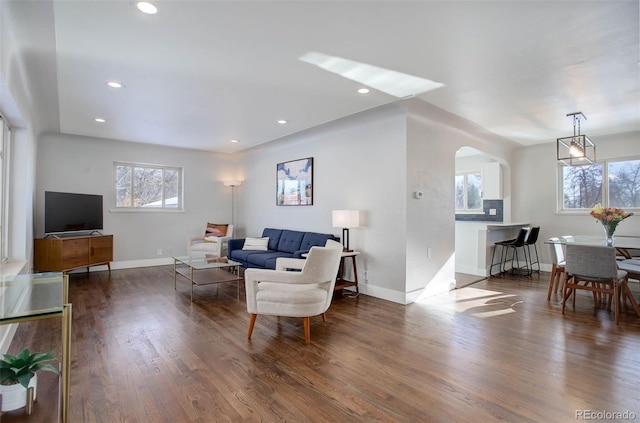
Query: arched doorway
x=479 y=202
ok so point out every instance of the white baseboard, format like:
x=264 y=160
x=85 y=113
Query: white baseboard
x=129 y=264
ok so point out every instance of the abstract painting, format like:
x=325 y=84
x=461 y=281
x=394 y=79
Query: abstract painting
x=295 y=183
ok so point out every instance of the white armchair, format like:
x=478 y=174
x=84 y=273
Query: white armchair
x=211 y=245
x=303 y=293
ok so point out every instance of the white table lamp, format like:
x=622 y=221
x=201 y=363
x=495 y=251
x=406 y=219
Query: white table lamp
x=346 y=219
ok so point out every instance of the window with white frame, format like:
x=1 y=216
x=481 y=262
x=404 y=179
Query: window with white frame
x=468 y=191
x=612 y=183
x=147 y=187
x=5 y=134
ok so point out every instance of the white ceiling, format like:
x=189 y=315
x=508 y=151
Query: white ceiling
x=200 y=73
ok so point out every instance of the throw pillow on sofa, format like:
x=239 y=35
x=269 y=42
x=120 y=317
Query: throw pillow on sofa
x=256 y=244
x=214 y=230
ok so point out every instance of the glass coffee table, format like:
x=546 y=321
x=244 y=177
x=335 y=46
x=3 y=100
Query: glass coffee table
x=206 y=270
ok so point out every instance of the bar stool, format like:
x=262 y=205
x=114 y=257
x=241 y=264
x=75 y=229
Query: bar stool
x=532 y=238
x=516 y=243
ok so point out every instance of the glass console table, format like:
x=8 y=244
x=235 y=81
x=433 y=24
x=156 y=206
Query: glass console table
x=25 y=298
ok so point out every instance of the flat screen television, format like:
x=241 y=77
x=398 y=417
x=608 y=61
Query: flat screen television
x=69 y=212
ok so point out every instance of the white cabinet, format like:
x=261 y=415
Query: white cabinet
x=491 y=181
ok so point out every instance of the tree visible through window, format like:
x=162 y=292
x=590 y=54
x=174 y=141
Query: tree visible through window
x=148 y=186
x=624 y=184
x=611 y=183
x=582 y=186
x=468 y=192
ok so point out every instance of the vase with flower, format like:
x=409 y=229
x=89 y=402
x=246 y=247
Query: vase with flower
x=609 y=217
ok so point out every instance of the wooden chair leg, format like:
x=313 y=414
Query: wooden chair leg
x=561 y=281
x=629 y=294
x=252 y=322
x=552 y=281
x=324 y=317
x=616 y=305
x=307 y=330
x=566 y=294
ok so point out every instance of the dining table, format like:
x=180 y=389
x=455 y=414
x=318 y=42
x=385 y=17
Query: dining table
x=627 y=247
x=622 y=243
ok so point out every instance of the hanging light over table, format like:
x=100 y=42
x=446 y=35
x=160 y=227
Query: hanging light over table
x=578 y=149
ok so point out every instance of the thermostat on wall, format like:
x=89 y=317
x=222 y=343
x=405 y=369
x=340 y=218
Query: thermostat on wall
x=418 y=194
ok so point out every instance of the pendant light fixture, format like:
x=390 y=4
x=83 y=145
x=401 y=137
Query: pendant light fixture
x=578 y=149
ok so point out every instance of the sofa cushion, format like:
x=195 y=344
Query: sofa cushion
x=312 y=239
x=267 y=260
x=274 y=237
x=290 y=241
x=244 y=256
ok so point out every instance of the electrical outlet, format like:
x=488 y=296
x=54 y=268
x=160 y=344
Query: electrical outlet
x=429 y=252
x=159 y=251
x=492 y=212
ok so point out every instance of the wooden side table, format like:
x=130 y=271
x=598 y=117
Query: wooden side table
x=341 y=282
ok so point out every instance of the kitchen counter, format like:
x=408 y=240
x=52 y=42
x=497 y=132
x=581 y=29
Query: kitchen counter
x=506 y=225
x=474 y=244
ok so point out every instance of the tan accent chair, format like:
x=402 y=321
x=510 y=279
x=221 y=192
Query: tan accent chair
x=303 y=293
x=217 y=246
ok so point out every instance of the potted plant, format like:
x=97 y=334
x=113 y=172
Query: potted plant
x=18 y=373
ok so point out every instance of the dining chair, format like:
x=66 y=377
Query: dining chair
x=632 y=267
x=557 y=267
x=595 y=267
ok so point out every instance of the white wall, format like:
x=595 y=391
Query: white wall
x=21 y=195
x=374 y=161
x=85 y=165
x=359 y=163
x=536 y=176
x=20 y=105
x=434 y=137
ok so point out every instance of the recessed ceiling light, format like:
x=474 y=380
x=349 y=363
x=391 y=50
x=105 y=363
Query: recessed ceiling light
x=100 y=120
x=363 y=90
x=234 y=140
x=115 y=84
x=146 y=7
x=282 y=121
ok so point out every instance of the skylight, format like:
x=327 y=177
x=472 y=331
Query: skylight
x=392 y=82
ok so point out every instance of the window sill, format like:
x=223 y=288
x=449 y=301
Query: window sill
x=143 y=210
x=12 y=268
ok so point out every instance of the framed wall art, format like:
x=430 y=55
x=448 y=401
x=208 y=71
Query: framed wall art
x=294 y=185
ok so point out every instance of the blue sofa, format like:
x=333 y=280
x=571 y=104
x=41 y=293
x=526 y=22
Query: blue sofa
x=282 y=243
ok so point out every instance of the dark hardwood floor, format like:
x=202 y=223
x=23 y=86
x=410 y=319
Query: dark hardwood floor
x=496 y=350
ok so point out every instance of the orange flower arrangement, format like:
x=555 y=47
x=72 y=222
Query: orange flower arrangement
x=609 y=217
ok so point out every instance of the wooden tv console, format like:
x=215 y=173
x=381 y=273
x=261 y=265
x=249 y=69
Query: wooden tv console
x=73 y=252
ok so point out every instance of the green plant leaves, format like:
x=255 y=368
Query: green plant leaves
x=21 y=368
